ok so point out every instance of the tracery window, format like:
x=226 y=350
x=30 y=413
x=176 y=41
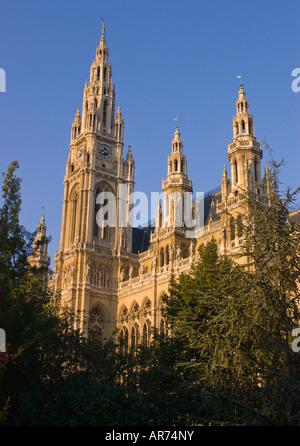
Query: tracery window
x=124 y=340
x=135 y=312
x=74 y=202
x=147 y=308
x=146 y=333
x=232 y=229
x=239 y=225
x=135 y=335
x=124 y=315
x=96 y=322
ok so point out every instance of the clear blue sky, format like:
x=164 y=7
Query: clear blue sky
x=169 y=59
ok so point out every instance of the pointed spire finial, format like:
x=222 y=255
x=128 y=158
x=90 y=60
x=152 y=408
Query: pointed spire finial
x=240 y=78
x=43 y=216
x=103 y=28
x=176 y=119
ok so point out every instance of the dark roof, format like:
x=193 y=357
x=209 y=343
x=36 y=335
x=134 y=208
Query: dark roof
x=210 y=205
x=141 y=239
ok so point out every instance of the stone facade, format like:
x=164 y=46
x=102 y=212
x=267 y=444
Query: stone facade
x=114 y=277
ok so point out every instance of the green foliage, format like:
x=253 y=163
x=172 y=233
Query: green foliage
x=228 y=360
x=235 y=315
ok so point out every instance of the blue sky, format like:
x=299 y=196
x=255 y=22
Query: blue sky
x=169 y=59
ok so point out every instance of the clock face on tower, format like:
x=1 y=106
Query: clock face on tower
x=79 y=153
x=104 y=151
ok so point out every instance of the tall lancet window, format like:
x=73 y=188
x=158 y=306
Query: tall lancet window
x=104 y=113
x=236 y=174
x=104 y=228
x=232 y=229
x=146 y=333
x=97 y=207
x=100 y=229
x=135 y=334
x=74 y=202
x=255 y=169
x=162 y=257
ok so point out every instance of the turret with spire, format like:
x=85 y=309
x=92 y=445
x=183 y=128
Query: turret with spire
x=244 y=153
x=96 y=168
x=177 y=182
x=99 y=96
x=39 y=257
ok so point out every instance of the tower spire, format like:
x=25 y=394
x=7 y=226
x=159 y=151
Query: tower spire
x=240 y=78
x=244 y=153
x=39 y=257
x=103 y=30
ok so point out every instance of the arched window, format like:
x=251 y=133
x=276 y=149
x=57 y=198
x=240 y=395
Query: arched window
x=124 y=315
x=123 y=241
x=97 y=207
x=104 y=228
x=162 y=257
x=98 y=73
x=146 y=333
x=135 y=335
x=104 y=74
x=135 y=312
x=232 y=229
x=74 y=202
x=239 y=225
x=96 y=321
x=243 y=126
x=104 y=113
x=255 y=169
x=167 y=255
x=147 y=308
x=236 y=171
x=102 y=231
x=162 y=328
x=124 y=340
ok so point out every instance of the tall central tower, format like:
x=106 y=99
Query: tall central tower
x=87 y=264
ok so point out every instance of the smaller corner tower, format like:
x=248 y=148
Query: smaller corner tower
x=176 y=184
x=39 y=257
x=244 y=153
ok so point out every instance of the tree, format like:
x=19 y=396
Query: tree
x=236 y=316
x=45 y=352
x=54 y=375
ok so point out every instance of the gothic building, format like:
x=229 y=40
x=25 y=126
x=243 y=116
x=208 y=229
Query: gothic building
x=113 y=276
x=39 y=256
